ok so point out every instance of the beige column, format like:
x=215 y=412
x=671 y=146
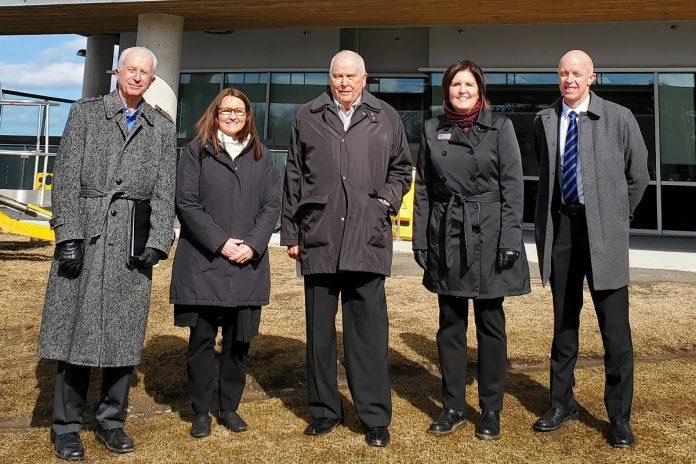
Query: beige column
x=163 y=34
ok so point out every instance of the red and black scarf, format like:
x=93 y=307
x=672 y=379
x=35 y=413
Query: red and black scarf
x=462 y=120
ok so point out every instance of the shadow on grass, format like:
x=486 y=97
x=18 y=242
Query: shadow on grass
x=45 y=373
x=532 y=395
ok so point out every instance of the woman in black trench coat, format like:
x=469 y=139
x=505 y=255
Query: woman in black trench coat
x=228 y=201
x=467 y=237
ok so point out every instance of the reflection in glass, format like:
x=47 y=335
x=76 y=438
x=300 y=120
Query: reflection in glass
x=677 y=127
x=676 y=215
x=196 y=91
x=254 y=87
x=289 y=91
x=635 y=91
x=405 y=94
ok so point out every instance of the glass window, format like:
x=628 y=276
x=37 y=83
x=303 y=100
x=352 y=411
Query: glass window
x=635 y=91
x=254 y=87
x=289 y=91
x=196 y=91
x=675 y=215
x=677 y=127
x=645 y=215
x=406 y=95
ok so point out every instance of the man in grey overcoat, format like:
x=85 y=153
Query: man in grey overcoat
x=592 y=175
x=348 y=168
x=116 y=150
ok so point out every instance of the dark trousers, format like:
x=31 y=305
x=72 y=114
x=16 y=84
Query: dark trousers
x=70 y=395
x=200 y=362
x=570 y=263
x=365 y=343
x=492 y=351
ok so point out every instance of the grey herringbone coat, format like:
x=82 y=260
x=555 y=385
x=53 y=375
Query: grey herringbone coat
x=99 y=318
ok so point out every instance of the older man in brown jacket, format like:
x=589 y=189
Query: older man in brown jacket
x=348 y=167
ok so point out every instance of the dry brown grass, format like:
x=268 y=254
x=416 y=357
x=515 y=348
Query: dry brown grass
x=664 y=331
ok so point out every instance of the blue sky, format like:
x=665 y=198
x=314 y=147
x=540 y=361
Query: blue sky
x=41 y=64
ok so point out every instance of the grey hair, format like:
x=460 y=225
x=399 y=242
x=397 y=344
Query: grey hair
x=125 y=52
x=345 y=54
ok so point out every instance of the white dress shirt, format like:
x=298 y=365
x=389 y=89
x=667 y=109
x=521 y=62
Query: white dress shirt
x=346 y=115
x=563 y=132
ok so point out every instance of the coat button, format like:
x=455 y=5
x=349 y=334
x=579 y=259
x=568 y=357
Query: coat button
x=119 y=181
x=444 y=152
x=473 y=179
x=343 y=140
x=113 y=213
x=444 y=179
x=343 y=219
x=471 y=152
x=475 y=206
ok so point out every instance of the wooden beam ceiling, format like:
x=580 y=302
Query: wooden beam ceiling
x=115 y=16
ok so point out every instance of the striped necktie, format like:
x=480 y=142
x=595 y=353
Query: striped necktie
x=569 y=171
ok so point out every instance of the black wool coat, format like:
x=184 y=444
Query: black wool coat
x=218 y=198
x=333 y=179
x=468 y=204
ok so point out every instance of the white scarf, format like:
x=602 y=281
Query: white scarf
x=230 y=144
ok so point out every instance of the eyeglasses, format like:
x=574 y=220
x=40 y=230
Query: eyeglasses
x=240 y=112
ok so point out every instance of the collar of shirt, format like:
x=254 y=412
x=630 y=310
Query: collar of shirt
x=346 y=115
x=581 y=108
x=131 y=117
x=341 y=109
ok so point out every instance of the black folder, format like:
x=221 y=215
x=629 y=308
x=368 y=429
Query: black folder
x=140 y=228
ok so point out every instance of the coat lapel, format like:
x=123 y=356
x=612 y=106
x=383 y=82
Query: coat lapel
x=550 y=120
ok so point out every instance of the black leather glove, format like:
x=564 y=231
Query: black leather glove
x=149 y=257
x=421 y=257
x=70 y=258
x=506 y=258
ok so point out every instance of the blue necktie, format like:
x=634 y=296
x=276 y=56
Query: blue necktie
x=569 y=168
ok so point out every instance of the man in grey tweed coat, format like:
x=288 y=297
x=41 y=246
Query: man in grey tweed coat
x=115 y=150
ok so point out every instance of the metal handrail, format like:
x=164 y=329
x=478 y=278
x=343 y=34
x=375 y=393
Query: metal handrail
x=43 y=107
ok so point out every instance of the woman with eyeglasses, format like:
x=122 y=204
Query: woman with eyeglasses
x=467 y=236
x=228 y=201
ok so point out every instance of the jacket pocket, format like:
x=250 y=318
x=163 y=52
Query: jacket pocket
x=310 y=215
x=377 y=223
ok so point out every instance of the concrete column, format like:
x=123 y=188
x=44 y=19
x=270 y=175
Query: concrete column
x=98 y=61
x=163 y=34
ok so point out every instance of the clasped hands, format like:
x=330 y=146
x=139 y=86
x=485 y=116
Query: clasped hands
x=236 y=251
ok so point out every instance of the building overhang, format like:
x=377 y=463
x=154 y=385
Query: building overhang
x=114 y=16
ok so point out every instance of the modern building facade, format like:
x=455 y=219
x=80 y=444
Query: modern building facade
x=643 y=52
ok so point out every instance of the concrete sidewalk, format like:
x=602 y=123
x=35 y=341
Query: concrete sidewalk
x=652 y=258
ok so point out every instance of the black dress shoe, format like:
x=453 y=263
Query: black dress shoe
x=115 y=440
x=69 y=446
x=200 y=426
x=489 y=426
x=447 y=422
x=554 y=418
x=621 y=435
x=321 y=426
x=377 y=436
x=233 y=421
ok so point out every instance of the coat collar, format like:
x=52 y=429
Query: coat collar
x=594 y=111
x=114 y=106
x=326 y=100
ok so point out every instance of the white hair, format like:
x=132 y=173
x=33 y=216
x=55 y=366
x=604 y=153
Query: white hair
x=346 y=54
x=125 y=52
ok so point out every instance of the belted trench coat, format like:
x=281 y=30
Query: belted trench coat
x=99 y=318
x=468 y=204
x=333 y=179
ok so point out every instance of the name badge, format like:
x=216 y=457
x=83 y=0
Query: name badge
x=444 y=136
